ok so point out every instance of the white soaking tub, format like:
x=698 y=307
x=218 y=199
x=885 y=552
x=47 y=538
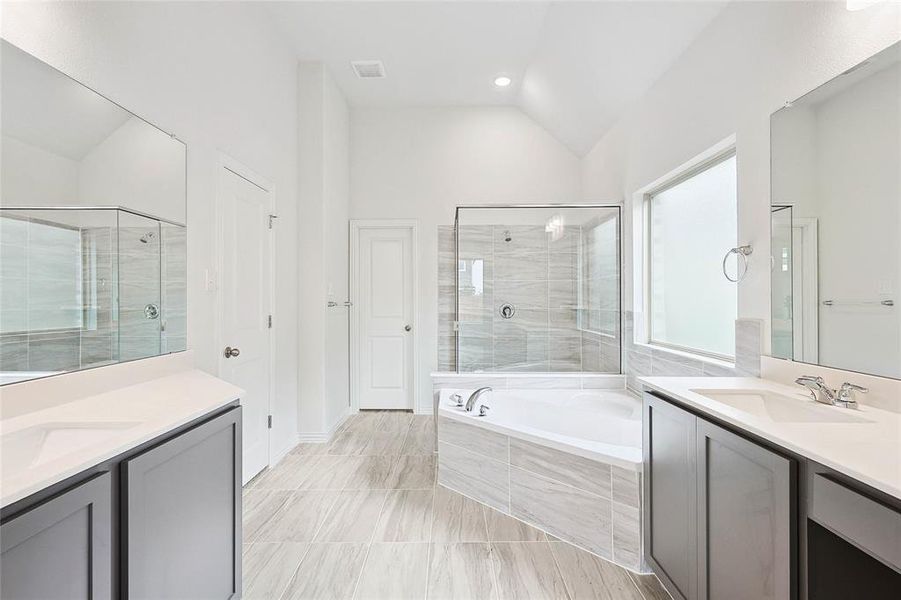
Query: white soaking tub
x=567 y=461
x=603 y=425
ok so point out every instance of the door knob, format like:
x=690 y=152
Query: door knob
x=408 y=328
x=230 y=352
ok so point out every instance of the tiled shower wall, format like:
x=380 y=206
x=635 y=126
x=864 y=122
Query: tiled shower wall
x=110 y=333
x=539 y=276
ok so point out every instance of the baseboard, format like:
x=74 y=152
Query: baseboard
x=321 y=437
x=276 y=457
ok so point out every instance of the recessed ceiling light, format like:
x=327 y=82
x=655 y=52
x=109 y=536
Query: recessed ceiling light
x=502 y=81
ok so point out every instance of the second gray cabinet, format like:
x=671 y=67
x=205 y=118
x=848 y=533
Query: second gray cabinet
x=719 y=509
x=182 y=515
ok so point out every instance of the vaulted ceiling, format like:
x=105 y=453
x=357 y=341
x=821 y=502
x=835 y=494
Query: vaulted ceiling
x=576 y=66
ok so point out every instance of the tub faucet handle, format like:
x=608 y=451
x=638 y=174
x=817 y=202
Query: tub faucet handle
x=483 y=410
x=456 y=400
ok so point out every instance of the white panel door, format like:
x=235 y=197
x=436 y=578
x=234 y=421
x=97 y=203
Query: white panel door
x=244 y=334
x=386 y=331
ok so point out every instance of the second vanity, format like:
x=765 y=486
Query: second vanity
x=752 y=490
x=132 y=490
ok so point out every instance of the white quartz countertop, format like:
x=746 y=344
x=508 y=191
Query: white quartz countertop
x=868 y=449
x=46 y=446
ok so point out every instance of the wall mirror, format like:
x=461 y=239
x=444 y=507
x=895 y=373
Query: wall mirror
x=836 y=221
x=92 y=234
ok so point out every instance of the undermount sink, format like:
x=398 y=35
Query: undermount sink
x=781 y=409
x=34 y=446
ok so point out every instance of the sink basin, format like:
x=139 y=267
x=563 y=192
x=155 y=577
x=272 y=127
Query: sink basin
x=33 y=446
x=781 y=409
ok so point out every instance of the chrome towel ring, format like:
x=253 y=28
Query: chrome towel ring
x=742 y=253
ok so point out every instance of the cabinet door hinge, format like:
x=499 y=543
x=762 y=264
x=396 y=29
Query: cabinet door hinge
x=270 y=321
x=269 y=422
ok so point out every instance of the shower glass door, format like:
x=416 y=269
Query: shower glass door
x=538 y=289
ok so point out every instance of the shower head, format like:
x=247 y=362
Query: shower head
x=147 y=237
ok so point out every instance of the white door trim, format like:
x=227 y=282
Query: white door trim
x=356 y=225
x=241 y=170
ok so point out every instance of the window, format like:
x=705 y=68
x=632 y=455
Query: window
x=691 y=223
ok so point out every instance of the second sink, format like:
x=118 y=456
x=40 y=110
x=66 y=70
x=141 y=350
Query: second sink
x=779 y=408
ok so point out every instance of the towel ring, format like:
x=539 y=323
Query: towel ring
x=742 y=252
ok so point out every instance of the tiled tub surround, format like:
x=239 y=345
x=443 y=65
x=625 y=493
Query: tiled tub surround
x=547 y=478
x=565 y=292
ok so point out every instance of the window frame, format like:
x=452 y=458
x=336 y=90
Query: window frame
x=709 y=160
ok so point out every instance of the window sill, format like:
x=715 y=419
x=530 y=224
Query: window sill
x=726 y=364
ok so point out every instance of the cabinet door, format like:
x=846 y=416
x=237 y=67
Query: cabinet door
x=746 y=517
x=61 y=549
x=671 y=509
x=182 y=520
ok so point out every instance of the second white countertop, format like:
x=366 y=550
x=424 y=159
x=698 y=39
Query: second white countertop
x=869 y=451
x=121 y=419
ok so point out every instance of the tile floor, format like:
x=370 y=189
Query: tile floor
x=362 y=517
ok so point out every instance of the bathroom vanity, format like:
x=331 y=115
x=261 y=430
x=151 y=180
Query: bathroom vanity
x=133 y=492
x=752 y=490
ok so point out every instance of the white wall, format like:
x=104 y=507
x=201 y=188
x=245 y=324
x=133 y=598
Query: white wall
x=421 y=163
x=324 y=138
x=216 y=76
x=750 y=60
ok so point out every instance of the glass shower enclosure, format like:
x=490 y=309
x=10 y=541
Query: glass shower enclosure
x=86 y=287
x=538 y=288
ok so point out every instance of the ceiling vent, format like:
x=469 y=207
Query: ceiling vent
x=368 y=69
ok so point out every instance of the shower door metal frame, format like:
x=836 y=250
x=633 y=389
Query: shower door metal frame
x=619 y=235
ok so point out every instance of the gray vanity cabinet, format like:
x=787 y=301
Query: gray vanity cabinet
x=719 y=509
x=671 y=508
x=182 y=540
x=745 y=517
x=60 y=549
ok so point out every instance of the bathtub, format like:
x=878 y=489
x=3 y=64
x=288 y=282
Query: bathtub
x=566 y=461
x=603 y=425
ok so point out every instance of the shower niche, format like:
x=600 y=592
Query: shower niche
x=92 y=235
x=536 y=289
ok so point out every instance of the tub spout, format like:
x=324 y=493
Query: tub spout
x=475 y=396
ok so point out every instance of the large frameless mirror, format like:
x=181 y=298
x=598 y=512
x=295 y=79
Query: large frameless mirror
x=92 y=235
x=836 y=219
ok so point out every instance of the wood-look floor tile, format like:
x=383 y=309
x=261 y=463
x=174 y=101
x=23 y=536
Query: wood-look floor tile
x=395 y=421
x=327 y=572
x=461 y=571
x=371 y=473
x=526 y=570
x=421 y=436
x=406 y=517
x=353 y=516
x=287 y=474
x=330 y=472
x=269 y=567
x=504 y=528
x=394 y=572
x=413 y=472
x=650 y=587
x=259 y=507
x=591 y=578
x=349 y=443
x=300 y=518
x=383 y=443
x=457 y=518
x=309 y=449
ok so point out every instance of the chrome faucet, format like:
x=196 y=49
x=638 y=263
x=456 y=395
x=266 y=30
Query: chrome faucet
x=475 y=396
x=824 y=394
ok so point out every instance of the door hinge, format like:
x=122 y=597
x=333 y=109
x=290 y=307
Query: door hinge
x=271 y=219
x=269 y=422
x=270 y=321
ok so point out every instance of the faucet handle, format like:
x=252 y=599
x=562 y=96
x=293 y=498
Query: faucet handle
x=456 y=400
x=847 y=391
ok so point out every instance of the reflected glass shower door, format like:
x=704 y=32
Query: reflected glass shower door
x=782 y=282
x=139 y=287
x=538 y=289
